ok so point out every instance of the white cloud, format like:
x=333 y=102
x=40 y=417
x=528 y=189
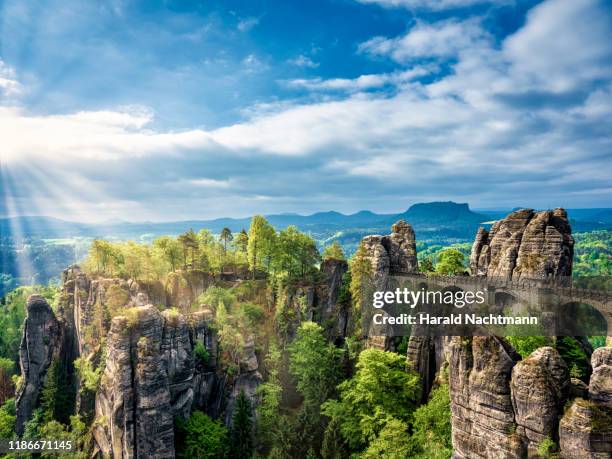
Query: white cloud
x=8 y=83
x=362 y=82
x=209 y=183
x=490 y=131
x=99 y=136
x=253 y=64
x=303 y=61
x=246 y=24
x=435 y=5
x=563 y=43
x=436 y=40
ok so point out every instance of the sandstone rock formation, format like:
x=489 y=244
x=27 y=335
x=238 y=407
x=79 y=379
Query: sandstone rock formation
x=481 y=405
x=426 y=355
x=600 y=386
x=394 y=253
x=390 y=255
x=539 y=387
x=329 y=309
x=133 y=410
x=526 y=245
x=151 y=376
x=585 y=431
x=40 y=345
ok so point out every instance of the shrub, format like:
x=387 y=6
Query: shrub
x=547 y=448
x=201 y=353
x=525 y=345
x=201 y=437
x=90 y=376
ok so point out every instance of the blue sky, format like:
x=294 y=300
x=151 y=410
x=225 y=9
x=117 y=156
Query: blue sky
x=171 y=110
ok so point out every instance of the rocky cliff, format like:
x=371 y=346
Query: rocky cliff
x=481 y=403
x=539 y=387
x=41 y=344
x=585 y=430
x=392 y=254
x=526 y=245
x=504 y=407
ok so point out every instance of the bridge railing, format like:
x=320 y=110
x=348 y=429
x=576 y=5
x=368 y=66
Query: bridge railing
x=526 y=284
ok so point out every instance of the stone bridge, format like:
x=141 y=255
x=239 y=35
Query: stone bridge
x=547 y=295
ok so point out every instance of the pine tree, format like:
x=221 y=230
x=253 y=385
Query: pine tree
x=334 y=252
x=55 y=400
x=226 y=235
x=333 y=446
x=242 y=446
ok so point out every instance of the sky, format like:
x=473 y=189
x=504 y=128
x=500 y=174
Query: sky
x=170 y=110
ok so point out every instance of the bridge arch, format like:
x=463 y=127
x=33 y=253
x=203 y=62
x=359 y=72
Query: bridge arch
x=576 y=318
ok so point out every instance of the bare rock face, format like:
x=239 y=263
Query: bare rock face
x=133 y=403
x=401 y=247
x=206 y=386
x=379 y=260
x=153 y=375
x=526 y=245
x=40 y=345
x=481 y=404
x=178 y=360
x=426 y=355
x=332 y=271
x=539 y=387
x=183 y=287
x=327 y=294
x=247 y=383
x=394 y=253
x=585 y=431
x=600 y=387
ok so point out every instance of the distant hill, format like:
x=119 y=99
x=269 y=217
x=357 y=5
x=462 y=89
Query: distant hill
x=433 y=221
x=443 y=213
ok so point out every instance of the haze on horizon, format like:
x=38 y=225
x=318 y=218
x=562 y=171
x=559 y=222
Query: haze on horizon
x=163 y=111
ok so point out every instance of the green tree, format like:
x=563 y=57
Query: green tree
x=393 y=442
x=333 y=252
x=201 y=353
x=7 y=370
x=7 y=419
x=296 y=253
x=575 y=357
x=104 y=257
x=525 y=345
x=201 y=437
x=12 y=315
x=426 y=265
x=216 y=296
x=450 y=262
x=360 y=280
x=226 y=235
x=56 y=396
x=431 y=435
x=88 y=375
x=241 y=241
x=261 y=243
x=32 y=428
x=189 y=243
x=315 y=364
x=270 y=393
x=333 y=446
x=241 y=437
x=382 y=389
x=170 y=249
